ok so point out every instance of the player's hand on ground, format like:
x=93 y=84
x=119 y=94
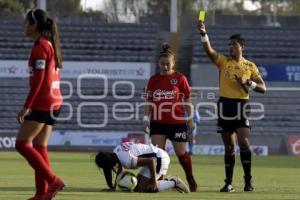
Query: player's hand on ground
x=22 y=114
x=201 y=27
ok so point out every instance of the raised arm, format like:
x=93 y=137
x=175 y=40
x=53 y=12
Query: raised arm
x=212 y=54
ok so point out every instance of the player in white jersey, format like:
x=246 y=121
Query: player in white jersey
x=153 y=164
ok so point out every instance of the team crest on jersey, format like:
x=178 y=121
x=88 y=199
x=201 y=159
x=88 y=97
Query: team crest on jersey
x=173 y=81
x=227 y=74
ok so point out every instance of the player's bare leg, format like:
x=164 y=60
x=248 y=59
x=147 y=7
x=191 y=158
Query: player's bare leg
x=159 y=140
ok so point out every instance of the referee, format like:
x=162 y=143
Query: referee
x=237 y=76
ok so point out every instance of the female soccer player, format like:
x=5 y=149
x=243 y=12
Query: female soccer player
x=43 y=102
x=152 y=161
x=237 y=77
x=168 y=95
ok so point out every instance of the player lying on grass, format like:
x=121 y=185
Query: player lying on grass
x=153 y=164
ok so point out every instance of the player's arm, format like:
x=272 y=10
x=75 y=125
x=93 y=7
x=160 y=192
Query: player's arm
x=38 y=78
x=257 y=84
x=147 y=111
x=34 y=90
x=188 y=107
x=212 y=54
x=119 y=169
x=39 y=57
x=148 y=107
x=39 y=66
x=150 y=163
x=147 y=116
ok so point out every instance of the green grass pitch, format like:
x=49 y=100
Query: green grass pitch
x=275 y=177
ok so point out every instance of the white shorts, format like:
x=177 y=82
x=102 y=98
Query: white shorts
x=164 y=165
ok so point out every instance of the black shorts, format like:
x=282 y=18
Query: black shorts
x=47 y=117
x=232 y=114
x=174 y=132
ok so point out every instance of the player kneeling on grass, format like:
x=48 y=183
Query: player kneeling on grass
x=153 y=164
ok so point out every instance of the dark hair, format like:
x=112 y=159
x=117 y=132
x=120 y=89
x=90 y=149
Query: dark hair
x=48 y=28
x=238 y=38
x=107 y=161
x=166 y=51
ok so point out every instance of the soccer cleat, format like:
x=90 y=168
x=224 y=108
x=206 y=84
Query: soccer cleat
x=227 y=187
x=248 y=185
x=179 y=184
x=38 y=197
x=54 y=187
x=192 y=183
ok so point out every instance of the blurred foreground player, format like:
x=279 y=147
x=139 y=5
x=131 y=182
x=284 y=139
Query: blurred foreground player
x=43 y=102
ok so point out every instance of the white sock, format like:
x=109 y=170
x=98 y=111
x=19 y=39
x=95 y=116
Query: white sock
x=165 y=185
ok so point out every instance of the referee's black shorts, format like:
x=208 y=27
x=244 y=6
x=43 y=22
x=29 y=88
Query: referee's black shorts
x=233 y=114
x=47 y=117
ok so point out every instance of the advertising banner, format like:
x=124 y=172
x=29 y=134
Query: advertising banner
x=86 y=138
x=7 y=141
x=290 y=73
x=294 y=145
x=78 y=140
x=258 y=150
x=71 y=69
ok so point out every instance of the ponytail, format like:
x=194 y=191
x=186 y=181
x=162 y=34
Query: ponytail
x=55 y=41
x=48 y=28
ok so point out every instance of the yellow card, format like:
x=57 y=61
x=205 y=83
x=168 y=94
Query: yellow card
x=201 y=15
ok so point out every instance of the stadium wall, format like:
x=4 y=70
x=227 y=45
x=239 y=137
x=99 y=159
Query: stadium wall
x=204 y=74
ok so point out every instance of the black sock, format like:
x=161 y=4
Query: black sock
x=229 y=165
x=246 y=162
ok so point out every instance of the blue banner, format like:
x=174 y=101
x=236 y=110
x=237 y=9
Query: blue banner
x=276 y=72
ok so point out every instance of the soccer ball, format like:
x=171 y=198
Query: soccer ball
x=126 y=181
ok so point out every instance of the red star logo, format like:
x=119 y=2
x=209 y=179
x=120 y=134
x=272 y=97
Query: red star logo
x=140 y=72
x=12 y=70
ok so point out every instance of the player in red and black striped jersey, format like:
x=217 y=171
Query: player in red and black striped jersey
x=168 y=96
x=43 y=102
